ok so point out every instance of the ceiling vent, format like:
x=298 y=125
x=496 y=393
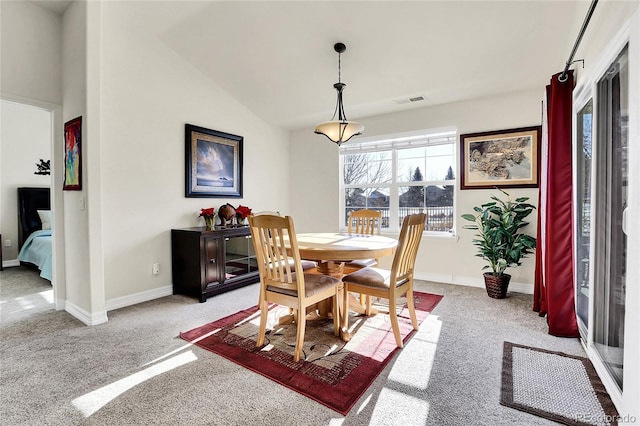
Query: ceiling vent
x=409 y=100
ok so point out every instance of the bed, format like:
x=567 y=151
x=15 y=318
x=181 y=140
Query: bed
x=34 y=229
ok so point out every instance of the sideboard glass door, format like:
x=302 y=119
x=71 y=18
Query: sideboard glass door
x=240 y=257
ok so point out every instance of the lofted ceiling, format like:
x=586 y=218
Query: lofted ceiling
x=277 y=58
x=57 y=6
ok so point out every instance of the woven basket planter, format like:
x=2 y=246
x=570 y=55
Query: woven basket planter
x=496 y=285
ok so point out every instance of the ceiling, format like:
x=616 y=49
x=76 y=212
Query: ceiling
x=277 y=58
x=57 y=6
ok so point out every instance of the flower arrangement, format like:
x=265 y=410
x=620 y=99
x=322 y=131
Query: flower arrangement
x=209 y=217
x=242 y=212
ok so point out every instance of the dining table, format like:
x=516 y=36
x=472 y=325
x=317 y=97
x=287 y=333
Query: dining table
x=331 y=250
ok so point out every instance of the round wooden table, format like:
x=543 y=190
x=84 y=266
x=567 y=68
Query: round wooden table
x=332 y=250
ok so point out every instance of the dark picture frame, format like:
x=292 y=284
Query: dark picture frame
x=502 y=158
x=73 y=155
x=213 y=163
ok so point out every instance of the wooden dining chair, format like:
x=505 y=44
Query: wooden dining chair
x=307 y=265
x=390 y=284
x=280 y=283
x=366 y=222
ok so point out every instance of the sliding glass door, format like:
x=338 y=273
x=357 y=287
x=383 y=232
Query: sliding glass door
x=601 y=188
x=610 y=244
x=584 y=155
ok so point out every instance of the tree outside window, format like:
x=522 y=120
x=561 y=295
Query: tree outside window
x=368 y=180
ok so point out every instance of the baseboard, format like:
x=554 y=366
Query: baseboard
x=10 y=263
x=84 y=316
x=133 y=299
x=471 y=282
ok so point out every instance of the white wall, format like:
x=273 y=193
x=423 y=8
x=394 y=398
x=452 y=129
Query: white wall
x=148 y=94
x=314 y=183
x=31 y=52
x=76 y=238
x=26 y=138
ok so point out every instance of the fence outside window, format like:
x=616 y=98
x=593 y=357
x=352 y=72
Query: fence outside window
x=439 y=219
x=402 y=174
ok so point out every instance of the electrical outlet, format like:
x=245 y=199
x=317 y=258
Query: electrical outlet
x=155 y=268
x=7 y=243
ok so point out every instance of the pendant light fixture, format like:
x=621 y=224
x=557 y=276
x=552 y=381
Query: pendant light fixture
x=341 y=130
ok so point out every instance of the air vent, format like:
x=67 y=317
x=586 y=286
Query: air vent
x=409 y=100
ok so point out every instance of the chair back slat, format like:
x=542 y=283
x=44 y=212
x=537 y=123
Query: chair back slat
x=272 y=235
x=408 y=243
x=364 y=222
x=282 y=278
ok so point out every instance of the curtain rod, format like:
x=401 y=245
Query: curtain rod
x=563 y=77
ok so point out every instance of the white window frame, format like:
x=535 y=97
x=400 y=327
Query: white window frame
x=394 y=142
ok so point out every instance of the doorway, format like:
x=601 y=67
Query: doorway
x=29 y=138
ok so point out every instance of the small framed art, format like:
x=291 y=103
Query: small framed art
x=73 y=155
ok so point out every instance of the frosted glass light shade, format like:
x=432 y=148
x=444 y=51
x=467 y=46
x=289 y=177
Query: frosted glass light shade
x=339 y=131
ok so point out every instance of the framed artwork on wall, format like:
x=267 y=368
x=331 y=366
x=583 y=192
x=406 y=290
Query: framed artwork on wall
x=503 y=158
x=73 y=155
x=213 y=163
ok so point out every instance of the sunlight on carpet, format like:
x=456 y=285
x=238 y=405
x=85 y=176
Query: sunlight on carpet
x=88 y=404
x=412 y=369
x=417 y=372
x=407 y=409
x=168 y=354
x=43 y=299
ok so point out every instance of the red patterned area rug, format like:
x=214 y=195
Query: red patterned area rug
x=333 y=373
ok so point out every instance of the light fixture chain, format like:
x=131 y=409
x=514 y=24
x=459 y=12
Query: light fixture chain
x=339 y=67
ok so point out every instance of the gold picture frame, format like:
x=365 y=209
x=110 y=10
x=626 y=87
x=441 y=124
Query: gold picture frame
x=504 y=158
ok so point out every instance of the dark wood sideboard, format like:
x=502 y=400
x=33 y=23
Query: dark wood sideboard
x=206 y=263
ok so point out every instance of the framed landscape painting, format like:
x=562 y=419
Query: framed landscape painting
x=504 y=158
x=213 y=163
x=73 y=155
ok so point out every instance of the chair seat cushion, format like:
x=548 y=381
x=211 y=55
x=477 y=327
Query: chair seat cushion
x=361 y=263
x=371 y=277
x=313 y=284
x=307 y=264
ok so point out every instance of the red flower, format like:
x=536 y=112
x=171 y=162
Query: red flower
x=243 y=211
x=207 y=212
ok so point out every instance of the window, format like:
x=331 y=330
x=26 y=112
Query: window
x=401 y=175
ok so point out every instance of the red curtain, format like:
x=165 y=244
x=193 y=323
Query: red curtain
x=554 y=288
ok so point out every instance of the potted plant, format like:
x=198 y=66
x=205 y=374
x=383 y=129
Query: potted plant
x=500 y=240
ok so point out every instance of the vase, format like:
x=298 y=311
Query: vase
x=496 y=285
x=209 y=222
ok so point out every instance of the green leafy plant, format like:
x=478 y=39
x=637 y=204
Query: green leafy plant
x=499 y=238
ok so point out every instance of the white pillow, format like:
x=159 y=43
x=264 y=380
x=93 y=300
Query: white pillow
x=45 y=218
